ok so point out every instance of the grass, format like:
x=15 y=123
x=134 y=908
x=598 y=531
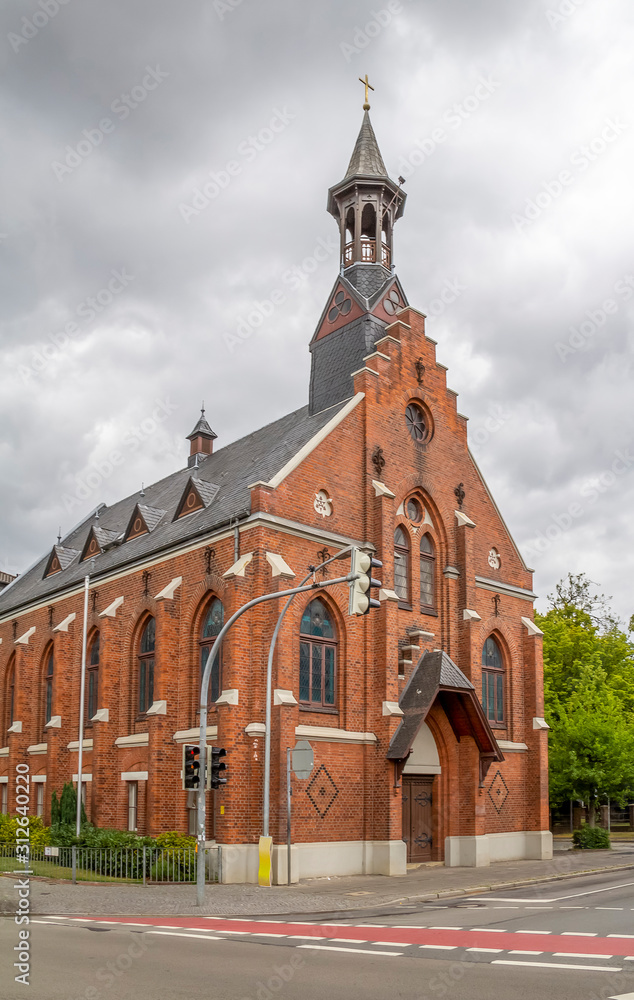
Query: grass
x=49 y=869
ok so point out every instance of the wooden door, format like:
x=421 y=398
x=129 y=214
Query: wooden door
x=417 y=817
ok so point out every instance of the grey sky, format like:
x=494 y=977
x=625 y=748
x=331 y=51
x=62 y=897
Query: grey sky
x=544 y=116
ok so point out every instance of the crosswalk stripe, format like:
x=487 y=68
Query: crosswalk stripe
x=558 y=965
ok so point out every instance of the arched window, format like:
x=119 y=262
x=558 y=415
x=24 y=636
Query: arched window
x=92 y=679
x=146 y=665
x=317 y=658
x=401 y=567
x=9 y=695
x=493 y=682
x=427 y=572
x=213 y=622
x=48 y=685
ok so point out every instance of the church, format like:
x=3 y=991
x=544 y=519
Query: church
x=425 y=715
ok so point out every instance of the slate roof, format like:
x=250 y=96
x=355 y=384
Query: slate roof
x=437 y=675
x=202 y=428
x=259 y=456
x=366 y=156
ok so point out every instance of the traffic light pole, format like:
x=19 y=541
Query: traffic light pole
x=204 y=691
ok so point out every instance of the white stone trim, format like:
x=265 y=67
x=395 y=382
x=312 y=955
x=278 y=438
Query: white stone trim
x=381 y=490
x=4 y=779
x=509 y=589
x=239 y=567
x=55 y=722
x=111 y=610
x=85 y=776
x=229 y=697
x=418 y=633
x=278 y=565
x=316 y=440
x=255 y=729
x=157 y=708
x=478 y=852
x=388 y=338
x=24 y=639
x=38 y=778
x=74 y=745
x=312 y=860
x=531 y=626
x=187 y=735
x=4 y=751
x=462 y=519
x=330 y=735
x=376 y=354
x=37 y=748
x=101 y=715
x=392 y=708
x=167 y=593
x=360 y=370
x=387 y=595
x=134 y=740
x=134 y=775
x=63 y=626
x=15 y=727
x=470 y=616
x=282 y=697
x=539 y=723
x=451 y=573
x=509 y=747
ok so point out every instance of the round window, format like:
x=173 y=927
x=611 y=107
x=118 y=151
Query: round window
x=414 y=510
x=417 y=423
x=341 y=306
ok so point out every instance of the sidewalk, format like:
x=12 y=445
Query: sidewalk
x=322 y=895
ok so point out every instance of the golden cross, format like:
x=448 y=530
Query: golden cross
x=368 y=86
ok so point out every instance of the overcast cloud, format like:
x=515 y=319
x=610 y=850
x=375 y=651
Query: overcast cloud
x=522 y=195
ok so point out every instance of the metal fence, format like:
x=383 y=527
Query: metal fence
x=146 y=865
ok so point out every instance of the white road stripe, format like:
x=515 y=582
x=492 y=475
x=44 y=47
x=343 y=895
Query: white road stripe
x=609 y=907
x=307 y=937
x=440 y=947
x=558 y=965
x=579 y=954
x=579 y=933
x=554 y=899
x=489 y=930
x=356 y=951
x=264 y=934
x=204 y=937
x=520 y=952
x=393 y=944
x=533 y=932
x=493 y=951
x=621 y=935
x=623 y=996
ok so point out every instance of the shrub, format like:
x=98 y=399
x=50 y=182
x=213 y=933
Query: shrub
x=591 y=837
x=39 y=835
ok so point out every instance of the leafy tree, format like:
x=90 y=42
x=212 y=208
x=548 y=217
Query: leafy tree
x=68 y=806
x=591 y=744
x=576 y=591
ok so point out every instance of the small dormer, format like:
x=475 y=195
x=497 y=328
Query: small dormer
x=201 y=441
x=98 y=539
x=59 y=559
x=197 y=495
x=143 y=521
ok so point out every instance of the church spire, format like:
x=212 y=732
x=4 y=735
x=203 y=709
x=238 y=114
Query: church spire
x=366 y=156
x=202 y=439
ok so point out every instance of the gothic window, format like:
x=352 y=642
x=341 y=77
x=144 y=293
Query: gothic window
x=212 y=624
x=401 y=567
x=147 y=648
x=317 y=658
x=48 y=685
x=493 y=682
x=427 y=572
x=416 y=423
x=9 y=695
x=92 y=679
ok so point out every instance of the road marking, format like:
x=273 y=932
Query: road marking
x=621 y=935
x=519 y=952
x=489 y=930
x=493 y=951
x=392 y=944
x=609 y=907
x=538 y=907
x=307 y=937
x=265 y=934
x=347 y=940
x=558 y=965
x=223 y=931
x=533 y=932
x=579 y=934
x=440 y=947
x=205 y=937
x=555 y=899
x=623 y=996
x=436 y=927
x=578 y=954
x=356 y=951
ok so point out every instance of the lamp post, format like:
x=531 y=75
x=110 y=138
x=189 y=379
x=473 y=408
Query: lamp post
x=82 y=691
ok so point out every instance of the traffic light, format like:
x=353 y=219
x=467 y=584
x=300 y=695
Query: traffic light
x=215 y=767
x=361 y=600
x=191 y=767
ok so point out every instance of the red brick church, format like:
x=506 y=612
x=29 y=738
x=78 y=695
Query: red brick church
x=425 y=716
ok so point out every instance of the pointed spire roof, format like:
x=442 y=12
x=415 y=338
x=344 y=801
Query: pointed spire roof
x=366 y=157
x=202 y=428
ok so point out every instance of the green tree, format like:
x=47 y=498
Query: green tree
x=68 y=806
x=591 y=744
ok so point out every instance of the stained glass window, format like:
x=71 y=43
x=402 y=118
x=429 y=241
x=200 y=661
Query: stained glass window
x=317 y=657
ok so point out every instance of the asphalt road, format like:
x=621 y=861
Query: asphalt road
x=573 y=940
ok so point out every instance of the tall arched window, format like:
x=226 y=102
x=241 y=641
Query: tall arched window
x=493 y=682
x=9 y=695
x=401 y=567
x=146 y=665
x=92 y=679
x=48 y=685
x=212 y=623
x=427 y=572
x=317 y=658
